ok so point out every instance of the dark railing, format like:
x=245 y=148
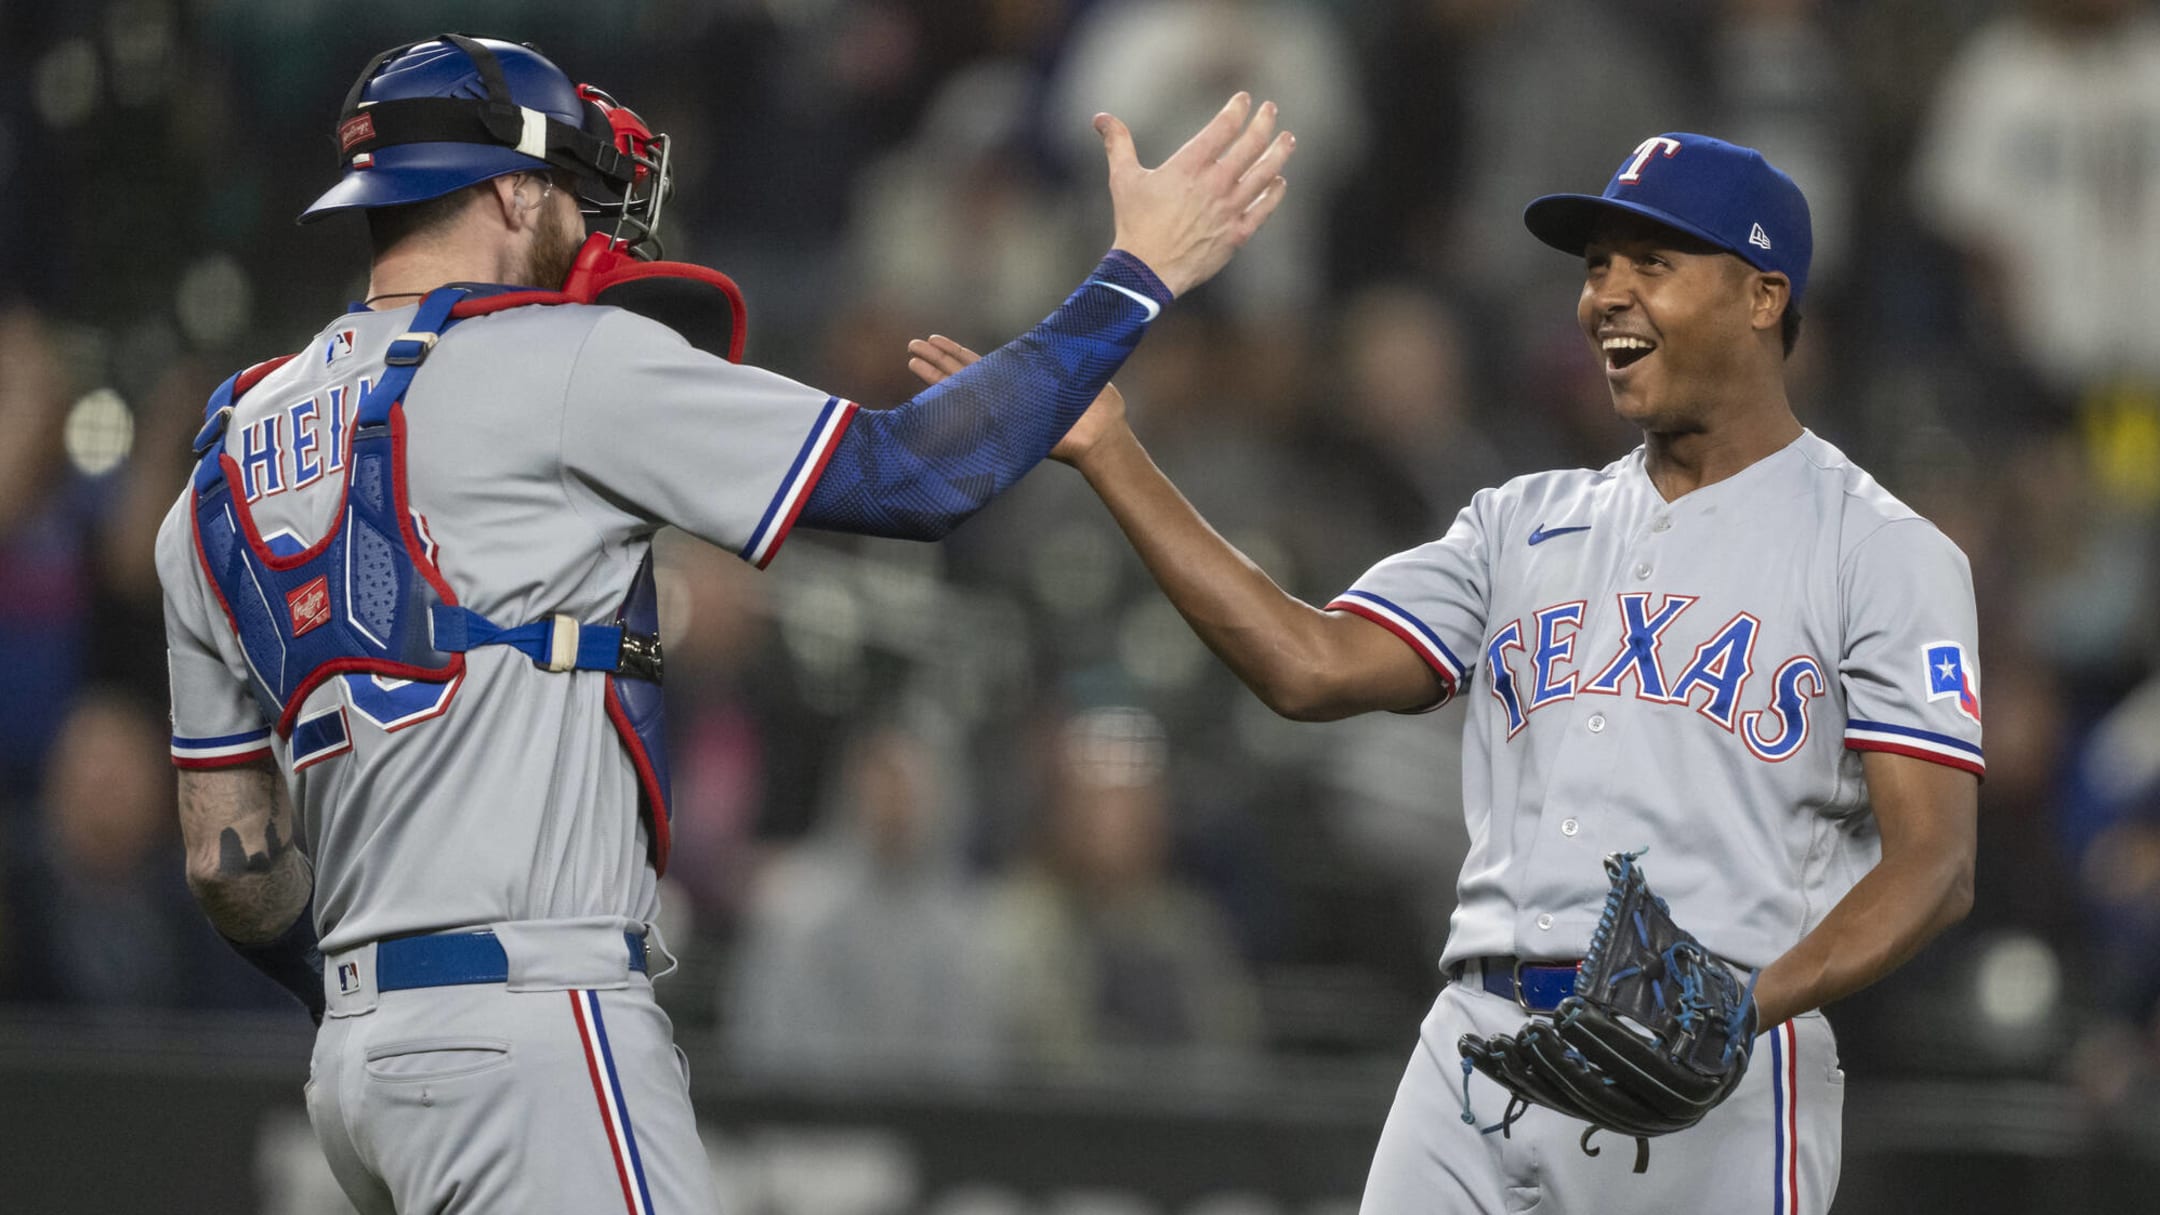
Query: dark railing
x=191 y=1114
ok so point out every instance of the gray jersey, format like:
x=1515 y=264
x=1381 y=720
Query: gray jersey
x=545 y=445
x=1693 y=676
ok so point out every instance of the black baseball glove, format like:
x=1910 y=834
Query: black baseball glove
x=1656 y=1034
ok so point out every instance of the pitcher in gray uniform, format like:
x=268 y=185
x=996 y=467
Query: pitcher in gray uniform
x=408 y=600
x=1730 y=646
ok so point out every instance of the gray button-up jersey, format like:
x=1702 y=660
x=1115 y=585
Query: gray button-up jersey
x=545 y=445
x=1693 y=676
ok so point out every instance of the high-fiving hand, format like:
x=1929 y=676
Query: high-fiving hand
x=1187 y=216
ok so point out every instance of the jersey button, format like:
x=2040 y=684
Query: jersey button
x=1663 y=524
x=1544 y=921
x=1596 y=723
x=1642 y=570
x=1569 y=827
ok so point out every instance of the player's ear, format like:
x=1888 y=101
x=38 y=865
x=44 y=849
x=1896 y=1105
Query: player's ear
x=516 y=199
x=502 y=198
x=1769 y=295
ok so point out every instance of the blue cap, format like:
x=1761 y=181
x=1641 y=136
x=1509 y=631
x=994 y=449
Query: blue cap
x=1716 y=191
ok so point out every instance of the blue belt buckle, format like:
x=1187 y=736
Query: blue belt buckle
x=1543 y=987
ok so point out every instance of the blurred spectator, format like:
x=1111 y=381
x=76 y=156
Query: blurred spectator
x=127 y=615
x=1101 y=947
x=862 y=953
x=2084 y=571
x=723 y=702
x=1398 y=202
x=2117 y=834
x=101 y=909
x=1404 y=440
x=1779 y=84
x=2039 y=163
x=1166 y=65
x=1557 y=92
x=45 y=516
x=953 y=226
x=2116 y=829
x=2025 y=870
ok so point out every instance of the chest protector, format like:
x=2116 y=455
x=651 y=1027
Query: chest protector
x=368 y=597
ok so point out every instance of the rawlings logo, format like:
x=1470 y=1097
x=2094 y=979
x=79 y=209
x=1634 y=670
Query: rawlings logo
x=357 y=129
x=310 y=606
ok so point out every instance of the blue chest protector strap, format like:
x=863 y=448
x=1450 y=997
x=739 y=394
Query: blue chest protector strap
x=559 y=643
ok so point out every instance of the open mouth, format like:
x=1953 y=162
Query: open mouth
x=1624 y=352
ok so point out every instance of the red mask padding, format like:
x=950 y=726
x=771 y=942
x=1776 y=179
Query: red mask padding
x=702 y=304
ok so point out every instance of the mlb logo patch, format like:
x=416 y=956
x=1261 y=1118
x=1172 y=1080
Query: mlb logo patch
x=348 y=977
x=310 y=606
x=339 y=345
x=1949 y=677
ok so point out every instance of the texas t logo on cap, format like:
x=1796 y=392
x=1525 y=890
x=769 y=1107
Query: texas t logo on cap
x=1631 y=172
x=1714 y=191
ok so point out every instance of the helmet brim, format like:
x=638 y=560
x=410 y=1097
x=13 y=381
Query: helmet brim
x=417 y=172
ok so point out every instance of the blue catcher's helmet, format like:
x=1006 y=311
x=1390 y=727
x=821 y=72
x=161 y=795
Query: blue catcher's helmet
x=432 y=117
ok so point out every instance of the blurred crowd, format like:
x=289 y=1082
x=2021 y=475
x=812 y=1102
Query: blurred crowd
x=986 y=805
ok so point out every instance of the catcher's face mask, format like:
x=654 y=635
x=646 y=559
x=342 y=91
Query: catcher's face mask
x=628 y=210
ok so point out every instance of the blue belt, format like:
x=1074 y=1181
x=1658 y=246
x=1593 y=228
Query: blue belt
x=451 y=959
x=1537 y=986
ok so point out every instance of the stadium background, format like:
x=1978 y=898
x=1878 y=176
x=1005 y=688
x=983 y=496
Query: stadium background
x=995 y=894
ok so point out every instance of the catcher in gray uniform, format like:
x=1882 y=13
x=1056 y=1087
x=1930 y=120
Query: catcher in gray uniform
x=411 y=622
x=1723 y=766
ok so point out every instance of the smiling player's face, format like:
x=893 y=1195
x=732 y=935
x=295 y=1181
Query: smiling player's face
x=1668 y=318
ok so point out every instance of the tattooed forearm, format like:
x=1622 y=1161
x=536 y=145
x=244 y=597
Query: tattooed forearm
x=247 y=875
x=234 y=859
x=259 y=903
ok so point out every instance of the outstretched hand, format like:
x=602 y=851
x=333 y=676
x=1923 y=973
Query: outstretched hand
x=934 y=358
x=1186 y=217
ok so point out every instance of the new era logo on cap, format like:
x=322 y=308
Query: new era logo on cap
x=1715 y=191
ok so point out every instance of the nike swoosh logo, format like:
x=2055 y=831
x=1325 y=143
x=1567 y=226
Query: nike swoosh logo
x=1153 y=309
x=1543 y=533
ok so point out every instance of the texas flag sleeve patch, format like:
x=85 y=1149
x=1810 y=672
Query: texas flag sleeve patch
x=1949 y=677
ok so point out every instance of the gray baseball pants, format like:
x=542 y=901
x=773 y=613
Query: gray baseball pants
x=1772 y=1148
x=560 y=1090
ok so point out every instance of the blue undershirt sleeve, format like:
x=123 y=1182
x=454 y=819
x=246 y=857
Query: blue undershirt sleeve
x=919 y=469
